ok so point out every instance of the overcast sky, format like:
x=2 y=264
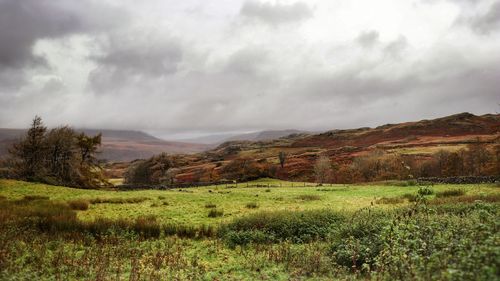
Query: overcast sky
x=194 y=67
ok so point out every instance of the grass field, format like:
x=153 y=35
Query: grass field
x=265 y=233
x=188 y=205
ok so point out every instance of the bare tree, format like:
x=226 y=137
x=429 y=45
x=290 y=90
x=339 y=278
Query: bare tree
x=282 y=157
x=322 y=169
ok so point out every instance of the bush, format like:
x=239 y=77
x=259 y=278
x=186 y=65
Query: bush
x=270 y=227
x=442 y=246
x=252 y=205
x=78 y=204
x=425 y=191
x=213 y=213
x=451 y=193
x=356 y=242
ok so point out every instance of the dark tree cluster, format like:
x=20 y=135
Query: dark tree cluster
x=59 y=156
x=158 y=169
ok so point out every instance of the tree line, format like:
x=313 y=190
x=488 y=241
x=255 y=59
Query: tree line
x=476 y=159
x=59 y=156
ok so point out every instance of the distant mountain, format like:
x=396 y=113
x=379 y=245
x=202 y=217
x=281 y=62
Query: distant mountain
x=118 y=145
x=255 y=136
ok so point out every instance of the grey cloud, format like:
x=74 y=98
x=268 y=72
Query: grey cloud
x=396 y=47
x=133 y=57
x=276 y=13
x=487 y=22
x=246 y=61
x=22 y=23
x=368 y=39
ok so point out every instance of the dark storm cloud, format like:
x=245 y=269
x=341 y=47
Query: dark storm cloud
x=276 y=13
x=23 y=22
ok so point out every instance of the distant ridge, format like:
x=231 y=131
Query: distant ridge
x=255 y=136
x=117 y=145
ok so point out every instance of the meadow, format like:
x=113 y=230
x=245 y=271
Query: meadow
x=261 y=230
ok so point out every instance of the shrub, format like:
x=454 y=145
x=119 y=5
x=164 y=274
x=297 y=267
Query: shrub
x=213 y=213
x=210 y=206
x=442 y=246
x=308 y=197
x=425 y=191
x=269 y=227
x=389 y=200
x=451 y=193
x=357 y=242
x=78 y=204
x=252 y=205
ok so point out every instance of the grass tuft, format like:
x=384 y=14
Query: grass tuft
x=252 y=205
x=309 y=197
x=389 y=200
x=78 y=204
x=213 y=213
x=451 y=193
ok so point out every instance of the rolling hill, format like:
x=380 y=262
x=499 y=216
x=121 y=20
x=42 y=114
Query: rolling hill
x=118 y=145
x=419 y=138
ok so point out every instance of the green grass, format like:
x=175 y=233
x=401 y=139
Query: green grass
x=289 y=233
x=190 y=207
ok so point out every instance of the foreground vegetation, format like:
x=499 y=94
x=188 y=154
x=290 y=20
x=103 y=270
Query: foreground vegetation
x=388 y=232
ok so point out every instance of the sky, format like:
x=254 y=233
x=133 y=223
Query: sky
x=189 y=68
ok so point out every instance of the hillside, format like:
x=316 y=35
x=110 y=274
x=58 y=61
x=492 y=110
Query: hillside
x=417 y=138
x=255 y=136
x=117 y=145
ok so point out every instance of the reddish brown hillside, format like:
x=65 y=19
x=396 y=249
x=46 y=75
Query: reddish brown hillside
x=421 y=137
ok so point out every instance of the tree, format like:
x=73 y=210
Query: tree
x=282 y=157
x=88 y=147
x=29 y=152
x=60 y=157
x=322 y=169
